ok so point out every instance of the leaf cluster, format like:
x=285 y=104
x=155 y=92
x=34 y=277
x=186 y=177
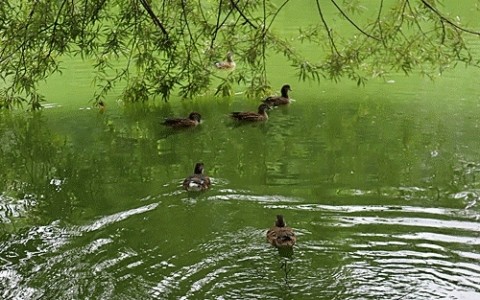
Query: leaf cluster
x=144 y=49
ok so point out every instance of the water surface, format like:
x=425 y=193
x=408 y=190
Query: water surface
x=381 y=184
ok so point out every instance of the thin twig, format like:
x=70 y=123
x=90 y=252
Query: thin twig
x=264 y=43
x=332 y=42
x=55 y=24
x=276 y=13
x=379 y=24
x=241 y=13
x=446 y=20
x=419 y=25
x=154 y=18
x=401 y=18
x=219 y=25
x=353 y=23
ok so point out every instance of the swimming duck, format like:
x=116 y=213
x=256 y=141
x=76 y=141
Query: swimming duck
x=193 y=119
x=229 y=64
x=197 y=182
x=101 y=106
x=279 y=100
x=261 y=115
x=280 y=235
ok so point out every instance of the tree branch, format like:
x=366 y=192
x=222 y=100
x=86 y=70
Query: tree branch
x=55 y=24
x=418 y=24
x=276 y=13
x=332 y=42
x=154 y=18
x=379 y=23
x=219 y=25
x=351 y=21
x=446 y=20
x=241 y=13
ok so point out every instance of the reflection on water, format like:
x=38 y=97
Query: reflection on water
x=383 y=195
x=346 y=252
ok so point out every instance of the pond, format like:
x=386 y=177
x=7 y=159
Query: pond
x=380 y=183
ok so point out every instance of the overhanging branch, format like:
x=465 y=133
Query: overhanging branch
x=242 y=14
x=154 y=18
x=332 y=42
x=446 y=20
x=353 y=23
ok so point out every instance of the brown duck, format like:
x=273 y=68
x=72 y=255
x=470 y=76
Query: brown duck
x=101 y=106
x=193 y=120
x=280 y=235
x=197 y=182
x=279 y=100
x=261 y=115
x=229 y=64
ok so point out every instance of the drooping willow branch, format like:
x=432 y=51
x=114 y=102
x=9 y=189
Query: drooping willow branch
x=276 y=13
x=419 y=26
x=219 y=25
x=330 y=37
x=379 y=23
x=351 y=21
x=23 y=46
x=154 y=18
x=96 y=11
x=446 y=20
x=55 y=25
x=247 y=20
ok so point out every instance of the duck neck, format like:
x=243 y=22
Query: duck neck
x=280 y=222
x=263 y=113
x=198 y=170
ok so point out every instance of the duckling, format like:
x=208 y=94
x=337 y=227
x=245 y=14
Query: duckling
x=193 y=119
x=279 y=100
x=197 y=182
x=280 y=235
x=261 y=115
x=229 y=64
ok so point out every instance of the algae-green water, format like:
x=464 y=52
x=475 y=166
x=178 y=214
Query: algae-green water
x=380 y=183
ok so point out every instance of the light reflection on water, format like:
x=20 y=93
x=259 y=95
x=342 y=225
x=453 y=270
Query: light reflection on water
x=382 y=193
x=391 y=255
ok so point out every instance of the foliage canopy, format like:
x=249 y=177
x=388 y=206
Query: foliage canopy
x=159 y=47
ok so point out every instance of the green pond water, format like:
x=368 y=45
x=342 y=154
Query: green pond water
x=381 y=185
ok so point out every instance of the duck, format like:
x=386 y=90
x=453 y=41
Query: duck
x=193 y=120
x=198 y=181
x=101 y=106
x=229 y=64
x=279 y=100
x=261 y=115
x=280 y=235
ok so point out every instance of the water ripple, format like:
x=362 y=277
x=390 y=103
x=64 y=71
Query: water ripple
x=11 y=208
x=254 y=198
x=343 y=252
x=420 y=222
x=107 y=220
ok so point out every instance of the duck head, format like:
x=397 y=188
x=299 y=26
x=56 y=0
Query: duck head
x=285 y=89
x=230 y=56
x=198 y=168
x=263 y=108
x=194 y=116
x=280 y=221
